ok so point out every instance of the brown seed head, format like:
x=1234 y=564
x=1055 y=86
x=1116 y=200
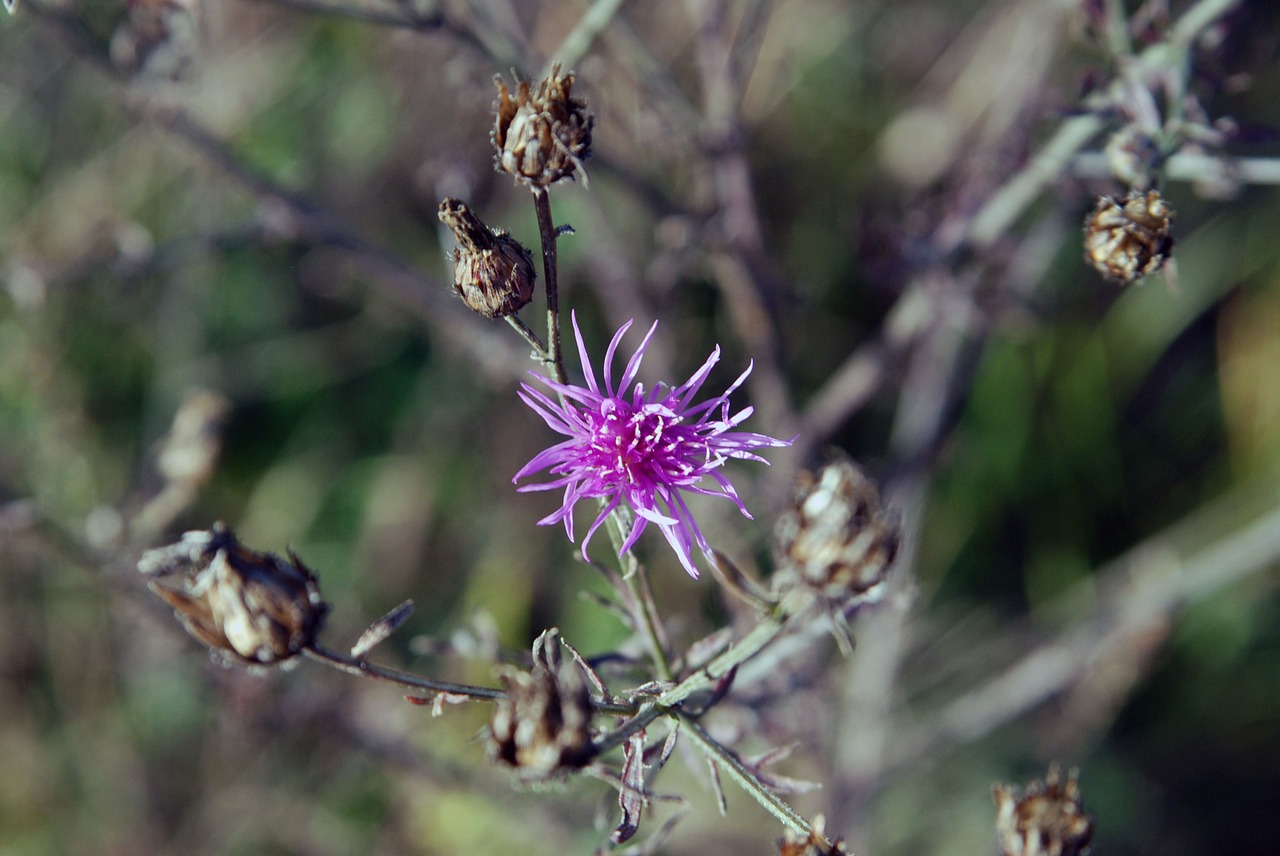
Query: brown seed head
x=835 y=538
x=1047 y=820
x=255 y=607
x=813 y=844
x=543 y=725
x=493 y=272
x=1126 y=239
x=542 y=137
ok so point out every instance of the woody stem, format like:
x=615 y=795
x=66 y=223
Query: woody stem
x=547 y=232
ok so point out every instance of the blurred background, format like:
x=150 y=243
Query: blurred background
x=233 y=206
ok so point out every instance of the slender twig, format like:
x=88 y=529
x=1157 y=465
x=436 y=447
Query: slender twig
x=646 y=715
x=643 y=608
x=576 y=44
x=539 y=349
x=352 y=666
x=548 y=234
x=741 y=651
x=748 y=781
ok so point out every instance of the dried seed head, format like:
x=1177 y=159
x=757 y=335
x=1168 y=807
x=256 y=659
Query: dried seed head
x=813 y=844
x=493 y=272
x=255 y=607
x=1047 y=820
x=543 y=724
x=836 y=539
x=542 y=137
x=1126 y=239
x=1132 y=155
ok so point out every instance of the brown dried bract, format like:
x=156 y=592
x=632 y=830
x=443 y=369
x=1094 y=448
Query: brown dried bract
x=813 y=844
x=493 y=272
x=543 y=724
x=1047 y=820
x=835 y=538
x=254 y=607
x=542 y=137
x=1126 y=239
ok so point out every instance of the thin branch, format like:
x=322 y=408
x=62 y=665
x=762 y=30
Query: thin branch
x=364 y=668
x=547 y=232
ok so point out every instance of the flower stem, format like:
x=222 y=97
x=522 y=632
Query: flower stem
x=539 y=349
x=353 y=666
x=637 y=581
x=617 y=737
x=741 y=651
x=732 y=764
x=547 y=232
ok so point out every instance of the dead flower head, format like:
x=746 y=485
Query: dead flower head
x=1126 y=239
x=813 y=844
x=543 y=724
x=493 y=272
x=252 y=607
x=1047 y=820
x=835 y=539
x=542 y=137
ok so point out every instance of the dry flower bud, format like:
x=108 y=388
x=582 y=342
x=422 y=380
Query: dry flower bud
x=543 y=724
x=255 y=607
x=835 y=538
x=813 y=844
x=493 y=272
x=1126 y=239
x=542 y=137
x=1047 y=820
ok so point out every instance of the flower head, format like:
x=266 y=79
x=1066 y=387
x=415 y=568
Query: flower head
x=642 y=448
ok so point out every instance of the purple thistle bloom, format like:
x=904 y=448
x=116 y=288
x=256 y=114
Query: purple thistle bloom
x=640 y=449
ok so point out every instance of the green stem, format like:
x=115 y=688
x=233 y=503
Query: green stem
x=517 y=324
x=637 y=581
x=547 y=232
x=744 y=649
x=353 y=666
x=732 y=764
x=617 y=737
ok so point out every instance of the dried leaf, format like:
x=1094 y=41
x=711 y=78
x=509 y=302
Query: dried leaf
x=718 y=787
x=739 y=583
x=597 y=682
x=631 y=794
x=441 y=699
x=381 y=629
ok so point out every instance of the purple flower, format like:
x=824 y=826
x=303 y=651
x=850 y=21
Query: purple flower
x=640 y=449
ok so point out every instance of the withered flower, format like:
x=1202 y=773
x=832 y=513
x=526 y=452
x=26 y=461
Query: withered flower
x=543 y=724
x=1126 y=239
x=542 y=137
x=493 y=272
x=813 y=844
x=256 y=608
x=835 y=539
x=1047 y=820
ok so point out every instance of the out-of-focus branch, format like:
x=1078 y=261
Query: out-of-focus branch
x=1141 y=592
x=496 y=353
x=867 y=370
x=742 y=269
x=408 y=17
